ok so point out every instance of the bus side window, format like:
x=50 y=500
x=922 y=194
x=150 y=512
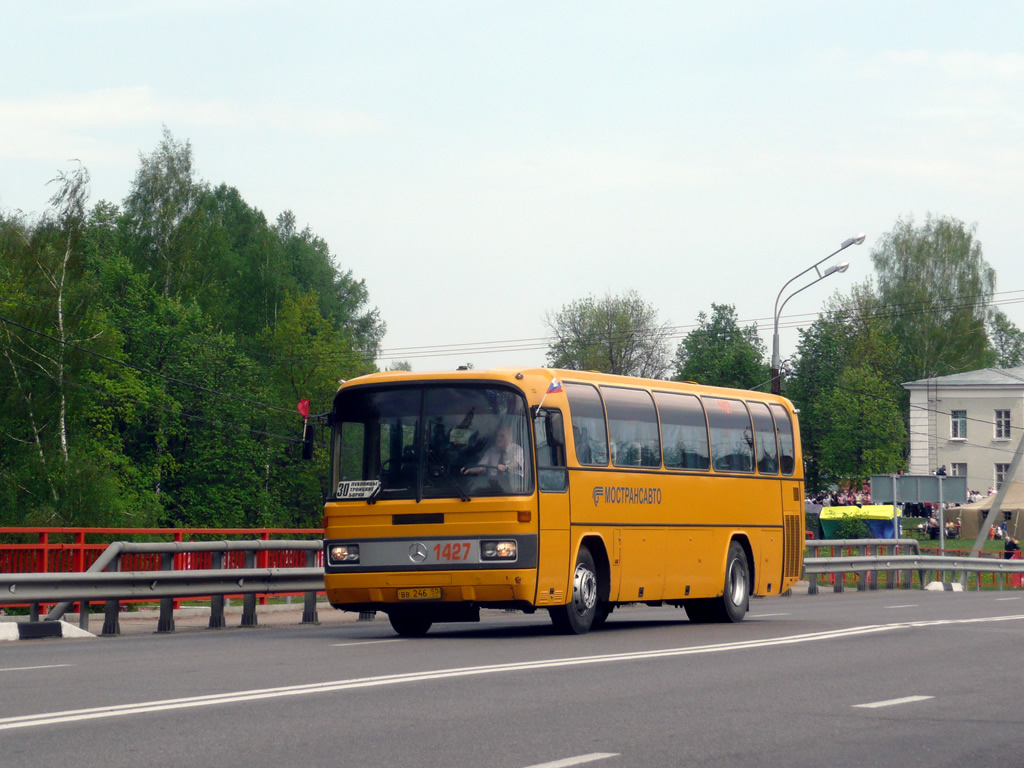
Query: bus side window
x=590 y=437
x=732 y=435
x=549 y=435
x=633 y=425
x=764 y=435
x=787 y=447
x=684 y=431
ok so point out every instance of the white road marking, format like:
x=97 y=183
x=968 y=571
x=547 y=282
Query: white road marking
x=579 y=760
x=908 y=605
x=766 y=615
x=366 y=642
x=42 y=666
x=119 y=710
x=1001 y=599
x=893 y=702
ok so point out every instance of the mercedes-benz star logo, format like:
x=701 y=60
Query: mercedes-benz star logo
x=418 y=552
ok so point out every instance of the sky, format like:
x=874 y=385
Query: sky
x=480 y=165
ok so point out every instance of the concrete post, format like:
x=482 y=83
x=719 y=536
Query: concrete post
x=112 y=608
x=249 y=600
x=309 y=614
x=166 y=621
x=217 y=601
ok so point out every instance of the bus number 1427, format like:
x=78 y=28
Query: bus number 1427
x=452 y=551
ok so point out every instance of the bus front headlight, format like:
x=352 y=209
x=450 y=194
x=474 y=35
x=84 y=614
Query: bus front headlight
x=343 y=553
x=498 y=550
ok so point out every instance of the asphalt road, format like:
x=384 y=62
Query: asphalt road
x=858 y=679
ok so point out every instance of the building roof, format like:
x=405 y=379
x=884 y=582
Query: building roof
x=985 y=377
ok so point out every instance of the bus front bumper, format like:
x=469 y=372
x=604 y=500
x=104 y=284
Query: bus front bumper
x=493 y=588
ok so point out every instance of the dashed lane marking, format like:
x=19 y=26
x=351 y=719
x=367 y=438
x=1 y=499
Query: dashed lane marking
x=893 y=702
x=578 y=760
x=366 y=642
x=41 y=666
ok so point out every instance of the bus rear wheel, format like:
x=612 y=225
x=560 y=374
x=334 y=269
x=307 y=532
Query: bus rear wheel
x=410 y=623
x=577 y=617
x=604 y=610
x=732 y=606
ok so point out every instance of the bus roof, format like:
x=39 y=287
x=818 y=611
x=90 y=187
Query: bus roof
x=535 y=381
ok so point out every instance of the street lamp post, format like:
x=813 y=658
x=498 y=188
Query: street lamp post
x=841 y=267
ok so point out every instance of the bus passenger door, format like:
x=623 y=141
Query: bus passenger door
x=553 y=508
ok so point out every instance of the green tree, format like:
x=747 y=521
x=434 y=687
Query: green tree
x=151 y=356
x=720 y=353
x=309 y=356
x=937 y=290
x=849 y=333
x=1006 y=340
x=161 y=210
x=54 y=471
x=868 y=435
x=616 y=334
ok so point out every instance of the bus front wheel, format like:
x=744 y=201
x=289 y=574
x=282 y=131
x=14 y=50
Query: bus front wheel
x=577 y=617
x=409 y=623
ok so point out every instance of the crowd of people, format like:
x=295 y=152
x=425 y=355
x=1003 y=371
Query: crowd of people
x=931 y=526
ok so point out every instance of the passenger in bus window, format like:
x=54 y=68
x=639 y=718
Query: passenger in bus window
x=502 y=458
x=583 y=453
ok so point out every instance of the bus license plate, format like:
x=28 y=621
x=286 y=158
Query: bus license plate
x=420 y=593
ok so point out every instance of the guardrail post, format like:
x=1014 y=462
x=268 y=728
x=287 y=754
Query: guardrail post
x=249 y=599
x=872 y=575
x=166 y=621
x=812 y=583
x=112 y=608
x=891 y=577
x=309 y=613
x=862 y=576
x=33 y=610
x=217 y=601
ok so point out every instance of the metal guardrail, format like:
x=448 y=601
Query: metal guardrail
x=105 y=581
x=867 y=564
x=861 y=543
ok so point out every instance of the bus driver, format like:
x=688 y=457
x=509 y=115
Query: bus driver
x=503 y=458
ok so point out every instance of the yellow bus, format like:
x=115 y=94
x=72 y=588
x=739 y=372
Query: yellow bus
x=568 y=491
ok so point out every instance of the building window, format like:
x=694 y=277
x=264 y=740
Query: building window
x=1001 y=471
x=958 y=425
x=1002 y=425
x=958 y=470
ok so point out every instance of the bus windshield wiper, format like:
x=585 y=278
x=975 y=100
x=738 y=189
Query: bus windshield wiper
x=447 y=473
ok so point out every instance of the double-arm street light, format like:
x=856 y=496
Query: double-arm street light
x=840 y=267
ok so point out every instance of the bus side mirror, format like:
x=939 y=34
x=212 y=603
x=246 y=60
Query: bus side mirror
x=308 y=437
x=556 y=430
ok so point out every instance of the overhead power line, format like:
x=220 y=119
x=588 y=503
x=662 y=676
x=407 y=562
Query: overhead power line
x=674 y=333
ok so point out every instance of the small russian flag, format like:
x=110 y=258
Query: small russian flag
x=554 y=386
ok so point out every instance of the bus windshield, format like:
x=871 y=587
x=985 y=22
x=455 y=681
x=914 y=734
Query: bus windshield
x=441 y=441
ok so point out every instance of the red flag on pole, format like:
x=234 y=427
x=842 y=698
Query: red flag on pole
x=303 y=407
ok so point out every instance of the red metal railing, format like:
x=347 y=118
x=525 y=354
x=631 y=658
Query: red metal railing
x=73 y=550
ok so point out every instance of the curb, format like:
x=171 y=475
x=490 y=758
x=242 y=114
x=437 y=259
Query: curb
x=35 y=630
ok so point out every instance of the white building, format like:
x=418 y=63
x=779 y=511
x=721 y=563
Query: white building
x=968 y=422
